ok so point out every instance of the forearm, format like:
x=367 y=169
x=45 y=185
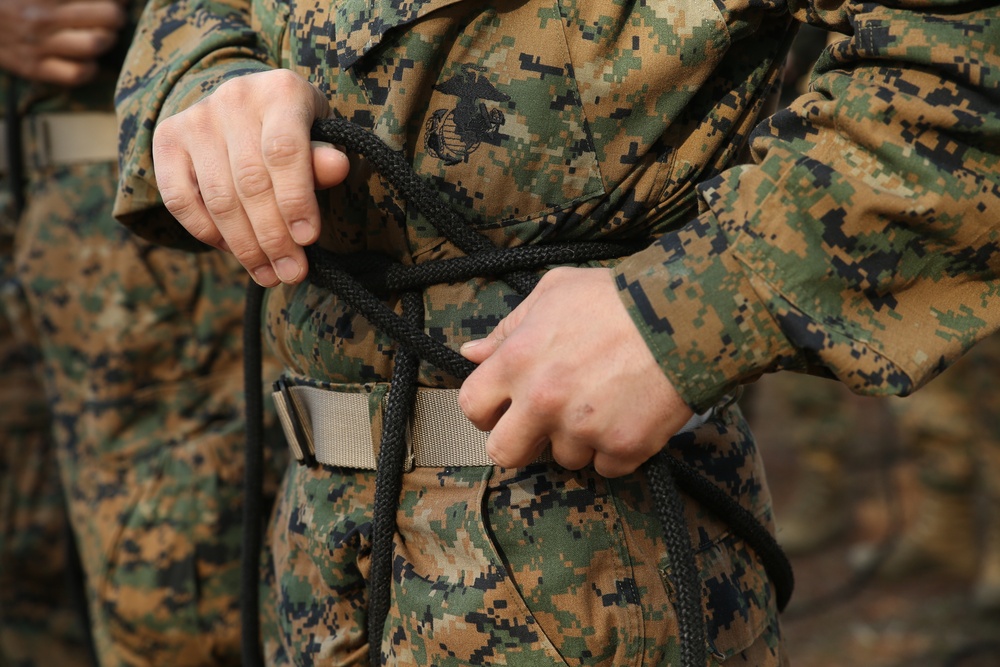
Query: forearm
x=863 y=243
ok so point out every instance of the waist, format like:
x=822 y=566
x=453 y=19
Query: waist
x=341 y=426
x=316 y=334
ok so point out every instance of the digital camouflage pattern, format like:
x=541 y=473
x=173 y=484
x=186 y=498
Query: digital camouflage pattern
x=39 y=623
x=143 y=355
x=142 y=352
x=861 y=245
x=531 y=566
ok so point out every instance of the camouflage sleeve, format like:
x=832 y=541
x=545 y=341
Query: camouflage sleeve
x=864 y=242
x=182 y=51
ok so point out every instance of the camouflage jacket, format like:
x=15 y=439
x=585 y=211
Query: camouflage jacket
x=861 y=242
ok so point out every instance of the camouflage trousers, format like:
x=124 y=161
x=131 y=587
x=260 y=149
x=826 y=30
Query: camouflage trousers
x=531 y=566
x=142 y=350
x=39 y=622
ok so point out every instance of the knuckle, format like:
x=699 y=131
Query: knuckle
x=620 y=446
x=274 y=240
x=572 y=463
x=95 y=42
x=467 y=403
x=233 y=91
x=247 y=252
x=518 y=351
x=167 y=135
x=203 y=230
x=252 y=180
x=181 y=203
x=545 y=397
x=219 y=199
x=611 y=468
x=501 y=454
x=284 y=149
x=284 y=82
x=296 y=205
x=583 y=430
x=78 y=74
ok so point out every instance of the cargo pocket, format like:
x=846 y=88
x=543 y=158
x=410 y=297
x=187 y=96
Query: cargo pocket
x=737 y=596
x=169 y=516
x=559 y=537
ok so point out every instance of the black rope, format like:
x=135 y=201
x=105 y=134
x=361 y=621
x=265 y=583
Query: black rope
x=680 y=557
x=379 y=274
x=391 y=464
x=357 y=278
x=411 y=188
x=741 y=522
x=323 y=273
x=253 y=478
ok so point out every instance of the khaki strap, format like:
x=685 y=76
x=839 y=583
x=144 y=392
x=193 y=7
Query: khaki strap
x=65 y=138
x=343 y=429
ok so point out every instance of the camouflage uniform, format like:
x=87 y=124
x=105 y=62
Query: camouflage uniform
x=39 y=623
x=142 y=351
x=545 y=121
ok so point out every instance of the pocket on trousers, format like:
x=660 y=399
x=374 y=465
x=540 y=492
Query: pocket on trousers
x=559 y=537
x=738 y=597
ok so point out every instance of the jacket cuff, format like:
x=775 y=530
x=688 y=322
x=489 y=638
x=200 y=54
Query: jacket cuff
x=700 y=313
x=138 y=204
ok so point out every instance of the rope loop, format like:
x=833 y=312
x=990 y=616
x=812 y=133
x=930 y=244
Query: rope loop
x=360 y=279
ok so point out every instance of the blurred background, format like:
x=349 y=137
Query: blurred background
x=890 y=570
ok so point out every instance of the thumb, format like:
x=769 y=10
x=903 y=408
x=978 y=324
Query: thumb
x=330 y=165
x=479 y=350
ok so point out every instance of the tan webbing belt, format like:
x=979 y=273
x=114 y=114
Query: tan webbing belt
x=64 y=138
x=344 y=429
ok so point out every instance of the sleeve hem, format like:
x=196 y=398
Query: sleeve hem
x=699 y=313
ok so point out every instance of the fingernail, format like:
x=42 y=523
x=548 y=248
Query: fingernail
x=471 y=344
x=264 y=275
x=287 y=269
x=302 y=232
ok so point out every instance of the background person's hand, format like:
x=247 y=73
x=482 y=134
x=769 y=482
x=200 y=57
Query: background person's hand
x=568 y=366
x=239 y=172
x=57 y=41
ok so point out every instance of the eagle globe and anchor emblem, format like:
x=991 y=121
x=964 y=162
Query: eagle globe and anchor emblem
x=452 y=134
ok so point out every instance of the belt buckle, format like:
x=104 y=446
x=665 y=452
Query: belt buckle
x=298 y=439
x=410 y=462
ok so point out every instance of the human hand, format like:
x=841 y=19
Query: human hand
x=569 y=367
x=57 y=41
x=239 y=171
